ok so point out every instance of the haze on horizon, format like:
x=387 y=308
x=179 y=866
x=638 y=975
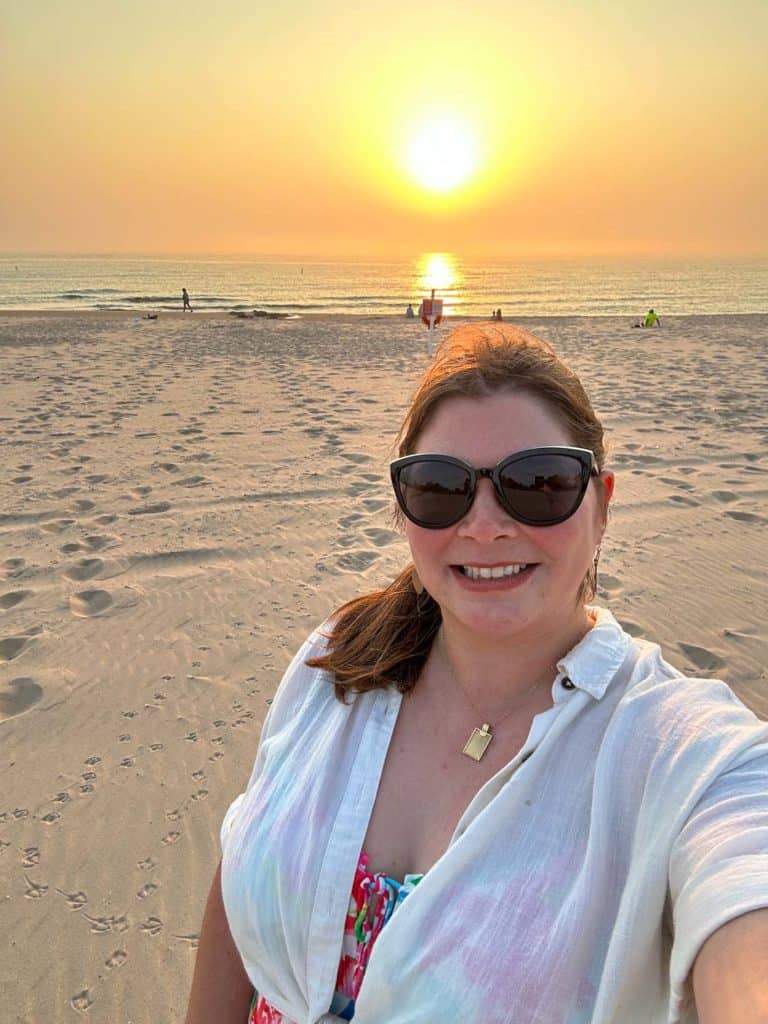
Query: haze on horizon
x=589 y=131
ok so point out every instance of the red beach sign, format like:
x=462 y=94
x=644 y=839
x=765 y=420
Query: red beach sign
x=432 y=311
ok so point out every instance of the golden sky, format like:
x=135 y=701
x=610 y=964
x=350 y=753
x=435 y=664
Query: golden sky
x=290 y=128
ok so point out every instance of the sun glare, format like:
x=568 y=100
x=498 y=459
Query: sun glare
x=441 y=271
x=437 y=270
x=441 y=154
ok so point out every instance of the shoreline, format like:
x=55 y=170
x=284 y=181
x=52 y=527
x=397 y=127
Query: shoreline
x=391 y=318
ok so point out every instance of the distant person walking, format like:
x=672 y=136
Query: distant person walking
x=498 y=315
x=409 y=312
x=185 y=299
x=651 y=320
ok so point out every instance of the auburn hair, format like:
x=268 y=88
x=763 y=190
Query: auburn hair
x=383 y=638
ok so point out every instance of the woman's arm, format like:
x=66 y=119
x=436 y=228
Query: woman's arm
x=221 y=992
x=730 y=975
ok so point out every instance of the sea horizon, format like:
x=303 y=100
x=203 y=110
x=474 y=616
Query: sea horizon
x=468 y=287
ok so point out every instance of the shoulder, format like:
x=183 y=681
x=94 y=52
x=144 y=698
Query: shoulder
x=674 y=718
x=301 y=685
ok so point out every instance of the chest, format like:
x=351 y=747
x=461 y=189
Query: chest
x=427 y=783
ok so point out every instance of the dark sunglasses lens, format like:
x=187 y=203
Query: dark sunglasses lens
x=543 y=488
x=434 y=493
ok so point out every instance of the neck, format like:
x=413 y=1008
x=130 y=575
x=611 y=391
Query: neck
x=494 y=673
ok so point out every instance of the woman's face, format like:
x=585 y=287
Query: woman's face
x=542 y=599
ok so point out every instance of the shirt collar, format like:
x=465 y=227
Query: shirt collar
x=597 y=657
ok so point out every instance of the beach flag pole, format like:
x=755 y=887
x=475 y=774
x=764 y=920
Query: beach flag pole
x=431 y=329
x=431 y=315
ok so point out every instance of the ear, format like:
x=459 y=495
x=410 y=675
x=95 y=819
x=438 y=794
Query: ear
x=607 y=483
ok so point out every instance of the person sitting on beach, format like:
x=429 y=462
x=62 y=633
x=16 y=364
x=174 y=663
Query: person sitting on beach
x=525 y=812
x=409 y=312
x=651 y=320
x=185 y=300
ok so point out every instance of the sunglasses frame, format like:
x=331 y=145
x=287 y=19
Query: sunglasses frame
x=583 y=456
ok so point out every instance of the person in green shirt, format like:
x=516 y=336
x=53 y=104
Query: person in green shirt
x=651 y=320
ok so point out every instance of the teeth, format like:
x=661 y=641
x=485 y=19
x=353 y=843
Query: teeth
x=497 y=573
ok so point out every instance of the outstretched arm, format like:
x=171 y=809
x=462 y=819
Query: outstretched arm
x=730 y=975
x=221 y=991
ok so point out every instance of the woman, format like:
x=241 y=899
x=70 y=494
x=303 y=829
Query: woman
x=476 y=799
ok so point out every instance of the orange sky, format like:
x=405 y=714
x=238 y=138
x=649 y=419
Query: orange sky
x=230 y=129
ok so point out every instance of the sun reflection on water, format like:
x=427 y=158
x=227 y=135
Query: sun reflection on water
x=440 y=270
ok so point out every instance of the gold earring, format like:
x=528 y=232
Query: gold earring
x=594 y=565
x=418 y=586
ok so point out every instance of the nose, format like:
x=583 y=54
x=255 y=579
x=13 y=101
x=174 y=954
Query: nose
x=487 y=520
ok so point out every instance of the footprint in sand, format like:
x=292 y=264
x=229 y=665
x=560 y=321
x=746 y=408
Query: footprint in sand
x=631 y=627
x=381 y=537
x=725 y=496
x=118 y=958
x=31 y=857
x=89 y=603
x=85 y=569
x=12 y=646
x=745 y=517
x=149 y=510
x=97 y=541
x=57 y=525
x=81 y=1001
x=678 y=499
x=18 y=696
x=13 y=597
x=191 y=481
x=100 y=925
x=610 y=585
x=75 y=900
x=34 y=890
x=701 y=658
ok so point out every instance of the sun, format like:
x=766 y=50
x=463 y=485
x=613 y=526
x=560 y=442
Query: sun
x=442 y=153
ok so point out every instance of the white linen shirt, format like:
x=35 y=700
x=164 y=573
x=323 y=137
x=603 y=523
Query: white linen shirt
x=580 y=882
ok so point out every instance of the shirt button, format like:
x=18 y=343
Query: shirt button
x=567 y=684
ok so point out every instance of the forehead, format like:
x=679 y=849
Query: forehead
x=483 y=430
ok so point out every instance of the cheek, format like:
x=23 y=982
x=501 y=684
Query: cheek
x=426 y=545
x=572 y=542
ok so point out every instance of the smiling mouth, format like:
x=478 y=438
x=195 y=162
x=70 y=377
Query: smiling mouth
x=496 y=572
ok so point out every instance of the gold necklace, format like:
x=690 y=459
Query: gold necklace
x=479 y=739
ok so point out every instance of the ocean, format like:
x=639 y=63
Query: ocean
x=468 y=288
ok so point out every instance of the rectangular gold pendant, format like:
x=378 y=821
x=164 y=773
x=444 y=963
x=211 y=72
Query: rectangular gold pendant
x=477 y=744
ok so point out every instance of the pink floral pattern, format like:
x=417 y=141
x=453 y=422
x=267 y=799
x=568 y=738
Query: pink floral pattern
x=375 y=897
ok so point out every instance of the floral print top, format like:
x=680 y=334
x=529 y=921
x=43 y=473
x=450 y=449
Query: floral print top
x=375 y=897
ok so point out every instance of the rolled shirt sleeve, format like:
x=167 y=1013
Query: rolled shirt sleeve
x=719 y=862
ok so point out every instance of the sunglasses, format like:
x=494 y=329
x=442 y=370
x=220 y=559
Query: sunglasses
x=538 y=487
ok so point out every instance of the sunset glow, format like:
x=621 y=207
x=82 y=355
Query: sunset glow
x=442 y=153
x=481 y=129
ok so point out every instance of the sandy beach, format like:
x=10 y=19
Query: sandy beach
x=182 y=500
